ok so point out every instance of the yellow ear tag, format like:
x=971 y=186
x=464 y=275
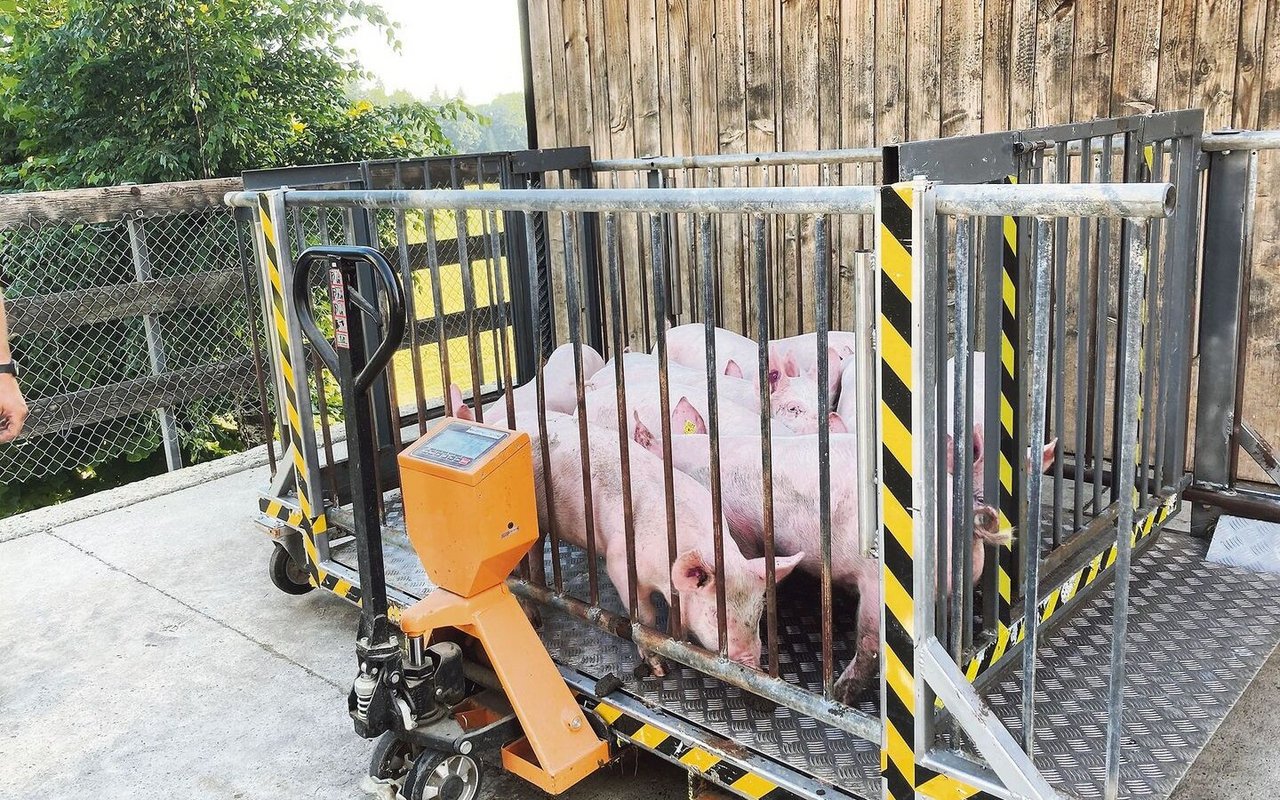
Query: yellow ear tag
x=689 y=427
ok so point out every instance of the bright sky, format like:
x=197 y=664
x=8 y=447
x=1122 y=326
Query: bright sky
x=472 y=46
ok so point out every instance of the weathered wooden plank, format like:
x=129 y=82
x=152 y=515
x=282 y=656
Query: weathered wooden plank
x=960 y=77
x=891 y=70
x=996 y=62
x=578 y=75
x=644 y=76
x=112 y=202
x=85 y=407
x=1022 y=70
x=761 y=91
x=559 y=74
x=601 y=143
x=1091 y=71
x=1136 y=68
x=1055 y=37
x=677 y=24
x=29 y=316
x=1177 y=45
x=924 y=41
x=1250 y=55
x=545 y=85
x=1213 y=80
x=731 y=138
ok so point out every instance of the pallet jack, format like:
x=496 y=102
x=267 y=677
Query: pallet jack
x=464 y=672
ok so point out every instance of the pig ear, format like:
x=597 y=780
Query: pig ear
x=782 y=566
x=640 y=433
x=789 y=366
x=691 y=573
x=1048 y=454
x=686 y=419
x=833 y=370
x=460 y=409
x=836 y=424
x=732 y=369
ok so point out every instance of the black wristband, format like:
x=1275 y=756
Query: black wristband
x=9 y=368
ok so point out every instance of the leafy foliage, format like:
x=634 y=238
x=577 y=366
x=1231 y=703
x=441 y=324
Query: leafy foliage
x=96 y=92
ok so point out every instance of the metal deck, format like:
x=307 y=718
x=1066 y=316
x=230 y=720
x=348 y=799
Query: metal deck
x=1200 y=632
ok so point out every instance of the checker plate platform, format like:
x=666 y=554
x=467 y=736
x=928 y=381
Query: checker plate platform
x=1199 y=634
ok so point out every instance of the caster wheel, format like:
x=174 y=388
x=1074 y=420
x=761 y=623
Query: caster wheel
x=287 y=575
x=442 y=776
x=392 y=758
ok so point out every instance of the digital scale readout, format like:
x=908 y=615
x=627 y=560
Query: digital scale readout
x=459 y=445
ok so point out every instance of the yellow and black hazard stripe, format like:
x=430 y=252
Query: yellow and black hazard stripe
x=1008 y=489
x=313 y=521
x=897 y=339
x=293 y=517
x=729 y=773
x=1062 y=596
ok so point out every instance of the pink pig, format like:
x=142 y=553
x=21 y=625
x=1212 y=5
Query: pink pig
x=796 y=521
x=693 y=574
x=560 y=380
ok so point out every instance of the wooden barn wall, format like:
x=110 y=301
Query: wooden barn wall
x=648 y=77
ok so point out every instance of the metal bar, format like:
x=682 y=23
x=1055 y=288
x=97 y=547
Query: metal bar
x=1186 y=229
x=1072 y=200
x=573 y=306
x=326 y=430
x=1059 y=367
x=864 y=327
x=619 y=382
x=500 y=284
x=766 y=441
x=675 y=625
x=961 y=566
x=411 y=309
x=1240 y=140
x=992 y=269
x=822 y=301
x=1098 y=380
x=1151 y=372
x=539 y=361
x=155 y=343
x=1259 y=449
x=722 y=160
x=1084 y=324
x=264 y=405
x=1127 y=457
x=442 y=344
x=462 y=224
x=1041 y=276
x=713 y=413
x=1222 y=306
x=1014 y=767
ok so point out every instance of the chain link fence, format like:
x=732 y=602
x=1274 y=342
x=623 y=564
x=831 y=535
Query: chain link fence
x=129 y=317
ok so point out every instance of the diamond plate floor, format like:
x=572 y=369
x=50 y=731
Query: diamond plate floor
x=1199 y=633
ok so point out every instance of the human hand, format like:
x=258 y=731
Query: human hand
x=13 y=409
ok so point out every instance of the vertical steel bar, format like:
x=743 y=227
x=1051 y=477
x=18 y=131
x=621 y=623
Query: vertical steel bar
x=1132 y=153
x=539 y=360
x=1186 y=216
x=1098 y=378
x=619 y=375
x=463 y=226
x=1122 y=476
x=992 y=309
x=1042 y=275
x=1062 y=165
x=573 y=300
x=1150 y=425
x=675 y=624
x=252 y=287
x=154 y=332
x=713 y=413
x=766 y=441
x=411 y=309
x=822 y=302
x=1083 y=325
x=864 y=421
x=962 y=533
x=437 y=301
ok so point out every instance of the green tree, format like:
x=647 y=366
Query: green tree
x=95 y=92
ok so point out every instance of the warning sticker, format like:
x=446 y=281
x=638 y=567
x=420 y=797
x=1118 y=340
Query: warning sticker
x=338 y=300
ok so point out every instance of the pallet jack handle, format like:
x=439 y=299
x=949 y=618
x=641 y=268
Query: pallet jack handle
x=355 y=370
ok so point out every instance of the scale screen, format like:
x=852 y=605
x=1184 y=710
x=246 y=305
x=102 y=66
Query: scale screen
x=459 y=445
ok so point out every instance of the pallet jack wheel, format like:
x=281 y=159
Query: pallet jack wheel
x=442 y=776
x=392 y=757
x=287 y=576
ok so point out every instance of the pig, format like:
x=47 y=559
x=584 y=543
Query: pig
x=693 y=574
x=796 y=522
x=559 y=379
x=644 y=400
x=642 y=366
x=804 y=348
x=793 y=393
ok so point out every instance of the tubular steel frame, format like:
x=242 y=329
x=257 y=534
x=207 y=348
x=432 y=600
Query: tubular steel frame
x=915 y=665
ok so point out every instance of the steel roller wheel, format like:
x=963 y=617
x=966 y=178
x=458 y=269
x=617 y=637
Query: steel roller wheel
x=442 y=776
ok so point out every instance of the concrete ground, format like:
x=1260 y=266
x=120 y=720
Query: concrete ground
x=148 y=655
